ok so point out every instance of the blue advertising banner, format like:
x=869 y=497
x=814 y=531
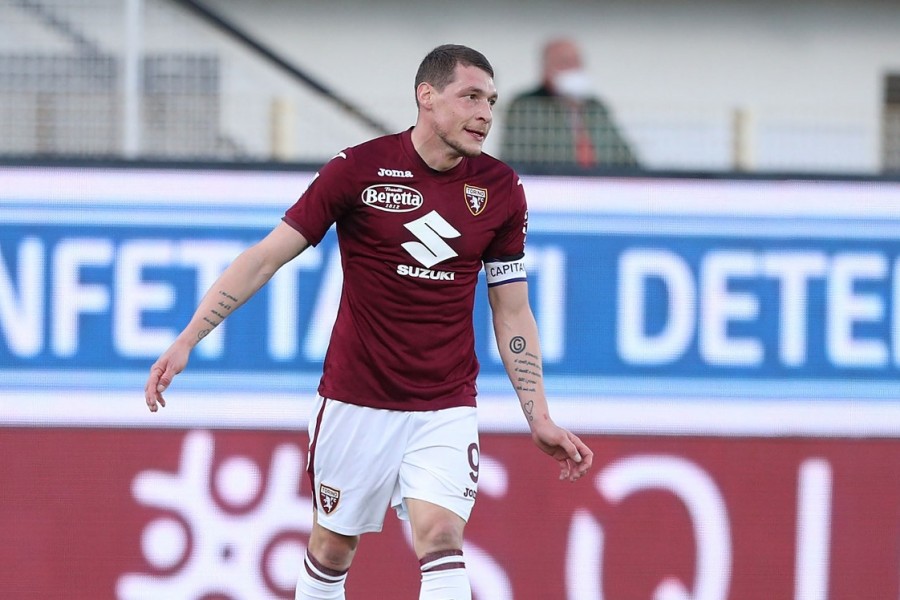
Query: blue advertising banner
x=763 y=291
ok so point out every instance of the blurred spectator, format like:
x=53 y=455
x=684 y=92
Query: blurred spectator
x=562 y=122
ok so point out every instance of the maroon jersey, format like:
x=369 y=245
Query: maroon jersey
x=412 y=243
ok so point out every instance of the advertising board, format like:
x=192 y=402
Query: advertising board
x=730 y=348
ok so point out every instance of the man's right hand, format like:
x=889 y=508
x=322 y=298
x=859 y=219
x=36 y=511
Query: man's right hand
x=171 y=363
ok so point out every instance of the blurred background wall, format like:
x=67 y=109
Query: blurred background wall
x=695 y=85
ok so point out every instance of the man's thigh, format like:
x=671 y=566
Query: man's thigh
x=354 y=459
x=440 y=463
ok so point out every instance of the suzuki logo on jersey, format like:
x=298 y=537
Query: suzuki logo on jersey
x=431 y=230
x=392 y=198
x=420 y=273
x=476 y=199
x=394 y=173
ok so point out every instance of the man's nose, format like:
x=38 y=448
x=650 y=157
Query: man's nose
x=486 y=112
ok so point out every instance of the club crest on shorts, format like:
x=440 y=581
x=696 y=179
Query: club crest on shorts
x=328 y=498
x=476 y=199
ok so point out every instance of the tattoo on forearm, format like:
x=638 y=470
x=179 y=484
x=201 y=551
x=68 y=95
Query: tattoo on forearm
x=226 y=304
x=528 y=408
x=527 y=372
x=527 y=375
x=227 y=300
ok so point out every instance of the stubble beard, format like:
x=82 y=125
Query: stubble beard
x=458 y=147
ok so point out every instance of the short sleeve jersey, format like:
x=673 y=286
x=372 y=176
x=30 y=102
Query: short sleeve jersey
x=412 y=243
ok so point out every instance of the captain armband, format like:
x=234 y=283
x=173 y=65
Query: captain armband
x=505 y=270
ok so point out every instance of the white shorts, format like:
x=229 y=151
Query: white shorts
x=362 y=460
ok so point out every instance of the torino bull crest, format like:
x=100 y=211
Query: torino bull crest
x=328 y=498
x=476 y=199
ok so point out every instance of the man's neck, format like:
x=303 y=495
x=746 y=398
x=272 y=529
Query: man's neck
x=433 y=150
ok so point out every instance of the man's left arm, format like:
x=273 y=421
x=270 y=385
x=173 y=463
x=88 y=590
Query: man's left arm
x=517 y=339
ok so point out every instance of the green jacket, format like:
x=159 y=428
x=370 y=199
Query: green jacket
x=538 y=129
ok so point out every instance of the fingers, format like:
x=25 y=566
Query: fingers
x=151 y=396
x=579 y=458
x=571 y=454
x=163 y=383
x=587 y=455
x=156 y=384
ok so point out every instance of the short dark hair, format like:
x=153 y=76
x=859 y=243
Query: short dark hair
x=439 y=66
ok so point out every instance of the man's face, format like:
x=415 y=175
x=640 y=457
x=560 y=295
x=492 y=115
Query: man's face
x=462 y=112
x=559 y=57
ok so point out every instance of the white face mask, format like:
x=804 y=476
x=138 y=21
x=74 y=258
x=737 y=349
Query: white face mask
x=573 y=83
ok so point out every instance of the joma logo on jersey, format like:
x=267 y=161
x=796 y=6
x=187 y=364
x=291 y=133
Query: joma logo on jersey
x=392 y=198
x=476 y=198
x=394 y=173
x=421 y=273
x=328 y=498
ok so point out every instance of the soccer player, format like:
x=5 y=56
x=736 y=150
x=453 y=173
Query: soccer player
x=418 y=214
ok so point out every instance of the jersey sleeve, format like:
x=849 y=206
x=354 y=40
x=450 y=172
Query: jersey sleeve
x=328 y=197
x=510 y=238
x=504 y=259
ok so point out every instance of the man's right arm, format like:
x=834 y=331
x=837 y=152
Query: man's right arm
x=237 y=284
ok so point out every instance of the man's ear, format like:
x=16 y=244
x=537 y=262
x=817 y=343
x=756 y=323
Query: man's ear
x=425 y=94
